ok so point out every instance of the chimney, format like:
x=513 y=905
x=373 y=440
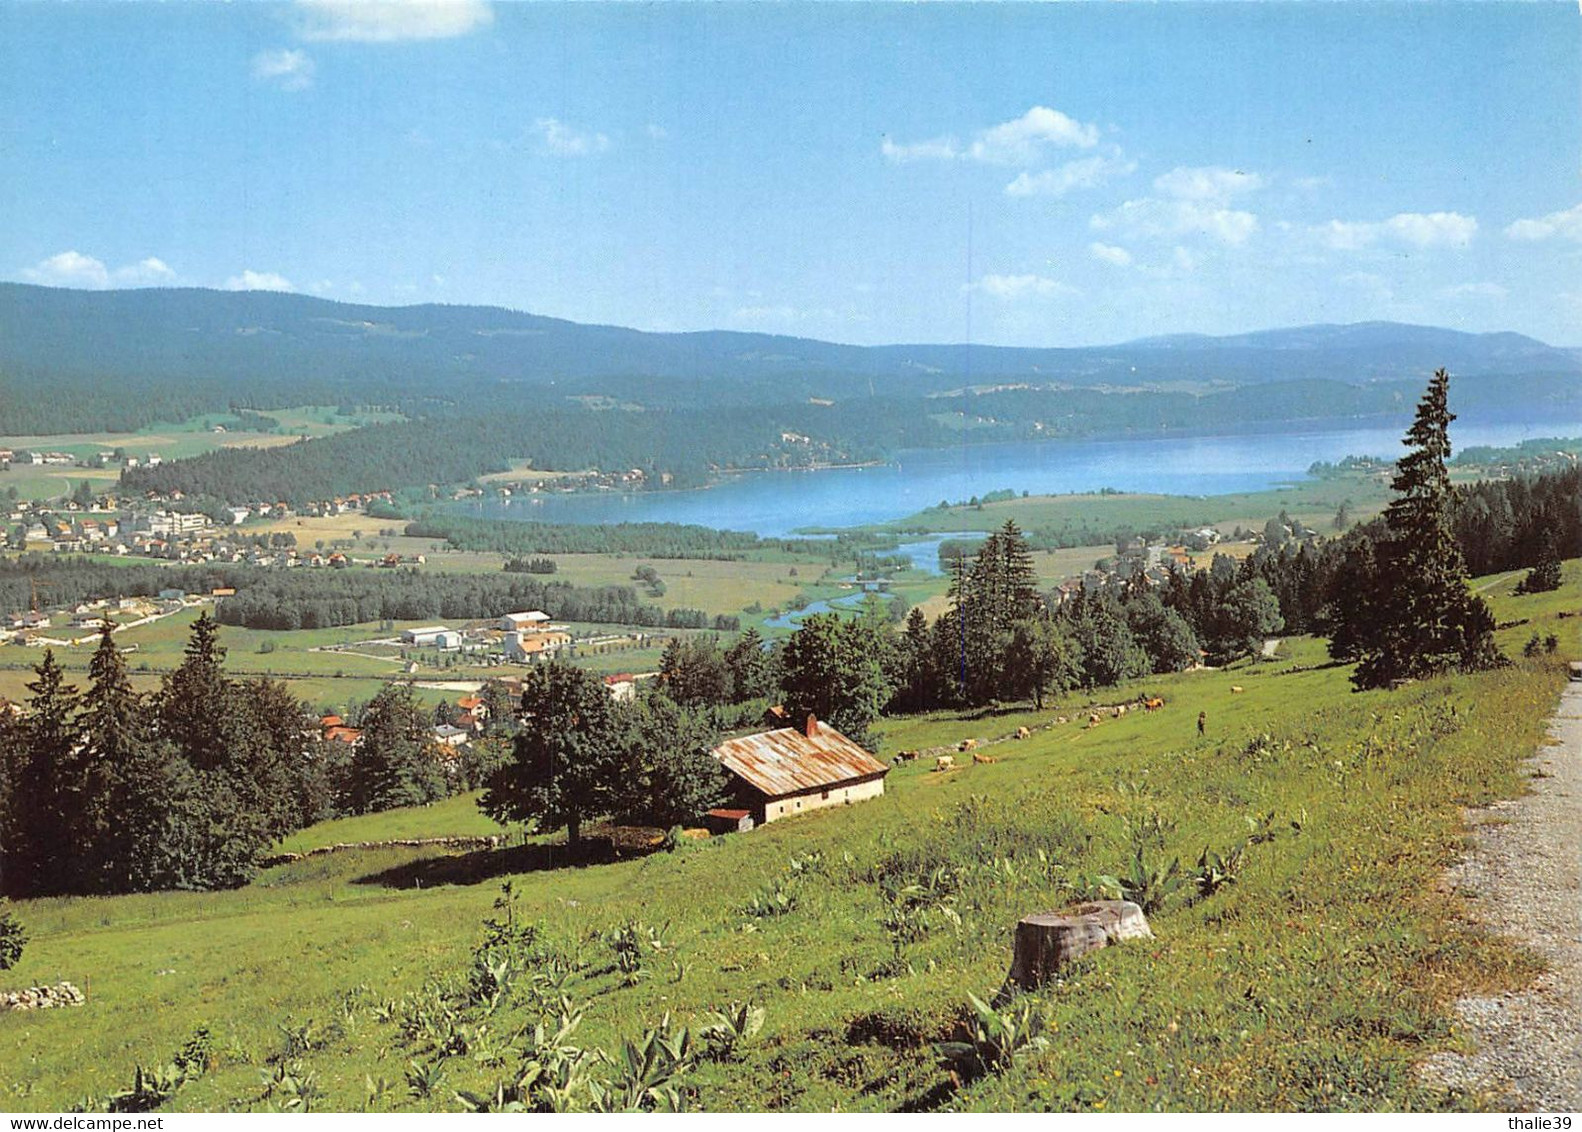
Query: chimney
x=811 y=728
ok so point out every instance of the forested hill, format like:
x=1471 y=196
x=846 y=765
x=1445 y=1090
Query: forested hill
x=126 y=358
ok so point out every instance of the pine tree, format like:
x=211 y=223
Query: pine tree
x=1424 y=619
x=47 y=791
x=1545 y=574
x=124 y=779
x=193 y=699
x=393 y=764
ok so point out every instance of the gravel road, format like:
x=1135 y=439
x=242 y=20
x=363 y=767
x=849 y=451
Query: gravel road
x=1524 y=878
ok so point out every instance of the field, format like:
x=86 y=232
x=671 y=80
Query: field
x=1314 y=502
x=1315 y=980
x=326 y=678
x=170 y=440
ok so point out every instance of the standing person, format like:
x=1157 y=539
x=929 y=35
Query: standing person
x=1202 y=721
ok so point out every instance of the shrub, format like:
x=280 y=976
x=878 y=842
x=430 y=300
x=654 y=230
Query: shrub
x=13 y=938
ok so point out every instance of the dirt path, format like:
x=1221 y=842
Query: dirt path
x=1492 y=582
x=1524 y=877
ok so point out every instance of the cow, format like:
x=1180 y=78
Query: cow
x=945 y=762
x=968 y=745
x=1061 y=719
x=905 y=756
x=1023 y=733
x=1120 y=710
x=1236 y=689
x=1153 y=704
x=1093 y=720
x=980 y=757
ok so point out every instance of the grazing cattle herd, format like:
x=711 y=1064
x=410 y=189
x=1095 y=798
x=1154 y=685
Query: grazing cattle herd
x=1096 y=716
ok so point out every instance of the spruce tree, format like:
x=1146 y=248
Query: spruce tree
x=193 y=699
x=1545 y=574
x=1424 y=618
x=47 y=791
x=124 y=779
x=394 y=763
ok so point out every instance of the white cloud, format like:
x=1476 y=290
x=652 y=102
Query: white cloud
x=1012 y=287
x=1084 y=173
x=288 y=70
x=565 y=141
x=147 y=272
x=69 y=269
x=1209 y=183
x=1152 y=217
x=1566 y=225
x=390 y=21
x=936 y=149
x=1021 y=141
x=73 y=269
x=1417 y=229
x=250 y=280
x=1109 y=253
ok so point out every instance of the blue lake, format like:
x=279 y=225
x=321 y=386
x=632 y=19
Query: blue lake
x=775 y=504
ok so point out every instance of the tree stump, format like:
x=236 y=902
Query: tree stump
x=1047 y=941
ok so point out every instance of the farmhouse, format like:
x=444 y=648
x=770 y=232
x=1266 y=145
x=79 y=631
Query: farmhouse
x=524 y=622
x=427 y=635
x=530 y=646
x=793 y=770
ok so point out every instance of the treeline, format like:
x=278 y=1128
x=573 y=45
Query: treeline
x=282 y=600
x=68 y=579
x=650 y=540
x=686 y=445
x=647 y=540
x=1003 y=639
x=1504 y=524
x=108 y=790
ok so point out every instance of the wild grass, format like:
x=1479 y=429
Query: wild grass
x=1315 y=980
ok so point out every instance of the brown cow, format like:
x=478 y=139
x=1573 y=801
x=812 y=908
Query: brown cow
x=1093 y=720
x=1154 y=704
x=980 y=757
x=1023 y=733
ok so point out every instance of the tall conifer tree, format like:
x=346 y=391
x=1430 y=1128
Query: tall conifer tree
x=1423 y=618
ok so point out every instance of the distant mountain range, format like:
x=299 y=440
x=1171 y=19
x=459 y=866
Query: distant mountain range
x=254 y=335
x=483 y=387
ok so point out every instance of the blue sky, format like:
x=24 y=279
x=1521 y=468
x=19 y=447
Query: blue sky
x=1020 y=174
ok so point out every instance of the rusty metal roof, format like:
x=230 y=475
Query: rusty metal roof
x=786 y=761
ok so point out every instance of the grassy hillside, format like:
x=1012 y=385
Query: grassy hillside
x=1314 y=981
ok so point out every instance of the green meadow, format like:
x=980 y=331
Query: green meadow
x=1312 y=501
x=1315 y=978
